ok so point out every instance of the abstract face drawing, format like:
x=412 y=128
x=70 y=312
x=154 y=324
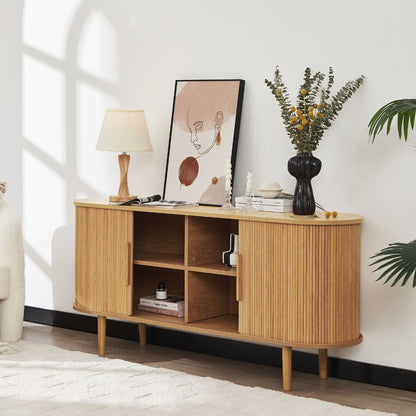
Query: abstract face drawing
x=203 y=135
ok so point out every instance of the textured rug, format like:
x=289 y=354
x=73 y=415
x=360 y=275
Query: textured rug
x=40 y=379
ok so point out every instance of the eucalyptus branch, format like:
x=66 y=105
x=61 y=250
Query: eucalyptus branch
x=306 y=123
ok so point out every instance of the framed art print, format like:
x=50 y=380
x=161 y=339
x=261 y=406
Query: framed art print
x=203 y=136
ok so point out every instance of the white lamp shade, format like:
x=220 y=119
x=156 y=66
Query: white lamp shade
x=124 y=131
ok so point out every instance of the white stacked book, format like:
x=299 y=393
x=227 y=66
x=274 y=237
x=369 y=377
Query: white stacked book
x=279 y=204
x=173 y=305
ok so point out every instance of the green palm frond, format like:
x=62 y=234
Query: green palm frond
x=398 y=261
x=404 y=109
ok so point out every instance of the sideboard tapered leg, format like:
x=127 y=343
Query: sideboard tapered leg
x=323 y=363
x=101 y=329
x=142 y=334
x=287 y=368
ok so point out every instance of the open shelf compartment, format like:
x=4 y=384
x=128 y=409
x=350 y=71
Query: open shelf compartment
x=146 y=279
x=210 y=296
x=208 y=238
x=159 y=240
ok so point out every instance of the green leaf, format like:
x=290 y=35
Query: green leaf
x=404 y=109
x=398 y=261
x=409 y=272
x=399 y=124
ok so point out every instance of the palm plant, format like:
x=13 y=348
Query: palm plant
x=404 y=109
x=399 y=262
x=398 y=259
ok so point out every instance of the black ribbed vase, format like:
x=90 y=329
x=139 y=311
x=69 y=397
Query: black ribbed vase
x=304 y=167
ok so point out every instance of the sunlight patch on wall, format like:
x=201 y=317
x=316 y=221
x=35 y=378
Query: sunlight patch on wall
x=98 y=48
x=70 y=72
x=44 y=205
x=95 y=168
x=44 y=108
x=46 y=23
x=39 y=282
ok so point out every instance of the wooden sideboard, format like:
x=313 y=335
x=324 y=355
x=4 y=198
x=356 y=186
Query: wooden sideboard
x=296 y=284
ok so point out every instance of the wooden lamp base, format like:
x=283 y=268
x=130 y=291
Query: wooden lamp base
x=123 y=190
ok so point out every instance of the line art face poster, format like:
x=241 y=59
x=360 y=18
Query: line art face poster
x=204 y=134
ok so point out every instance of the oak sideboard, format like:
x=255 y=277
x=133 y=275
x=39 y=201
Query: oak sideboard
x=296 y=284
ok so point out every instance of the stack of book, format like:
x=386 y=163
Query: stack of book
x=279 y=204
x=173 y=305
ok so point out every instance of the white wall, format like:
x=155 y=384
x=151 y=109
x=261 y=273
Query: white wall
x=63 y=63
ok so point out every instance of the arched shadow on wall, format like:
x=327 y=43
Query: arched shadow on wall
x=61 y=270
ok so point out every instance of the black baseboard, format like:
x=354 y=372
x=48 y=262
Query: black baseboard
x=236 y=350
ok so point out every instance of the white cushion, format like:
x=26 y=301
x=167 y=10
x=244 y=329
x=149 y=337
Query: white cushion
x=4 y=282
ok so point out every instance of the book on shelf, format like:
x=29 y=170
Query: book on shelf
x=267 y=208
x=172 y=302
x=146 y=308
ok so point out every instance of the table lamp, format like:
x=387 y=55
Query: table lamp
x=124 y=131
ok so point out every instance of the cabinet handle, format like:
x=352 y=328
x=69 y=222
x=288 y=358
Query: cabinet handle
x=238 y=280
x=129 y=263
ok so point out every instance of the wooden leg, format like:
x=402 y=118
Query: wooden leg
x=323 y=363
x=101 y=329
x=287 y=368
x=142 y=334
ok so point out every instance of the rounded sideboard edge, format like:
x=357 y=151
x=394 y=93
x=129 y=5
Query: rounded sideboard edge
x=216 y=212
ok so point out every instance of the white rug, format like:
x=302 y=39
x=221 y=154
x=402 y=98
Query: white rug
x=40 y=379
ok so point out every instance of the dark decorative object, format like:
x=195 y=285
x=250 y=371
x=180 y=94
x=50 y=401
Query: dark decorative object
x=229 y=258
x=315 y=110
x=161 y=292
x=304 y=167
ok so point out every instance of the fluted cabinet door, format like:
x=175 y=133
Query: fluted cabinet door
x=103 y=260
x=300 y=283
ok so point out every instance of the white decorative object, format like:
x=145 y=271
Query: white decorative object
x=11 y=256
x=270 y=189
x=228 y=188
x=249 y=186
x=229 y=257
x=249 y=193
x=228 y=176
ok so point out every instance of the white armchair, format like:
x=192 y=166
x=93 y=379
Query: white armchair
x=12 y=283
x=4 y=281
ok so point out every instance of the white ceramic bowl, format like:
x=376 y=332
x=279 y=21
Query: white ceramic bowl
x=270 y=193
x=270 y=189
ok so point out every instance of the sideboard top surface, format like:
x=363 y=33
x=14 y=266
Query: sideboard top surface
x=216 y=212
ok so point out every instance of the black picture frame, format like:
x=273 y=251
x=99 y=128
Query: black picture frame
x=204 y=132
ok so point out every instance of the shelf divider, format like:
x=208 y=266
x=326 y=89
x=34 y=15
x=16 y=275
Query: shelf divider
x=162 y=260
x=213 y=269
